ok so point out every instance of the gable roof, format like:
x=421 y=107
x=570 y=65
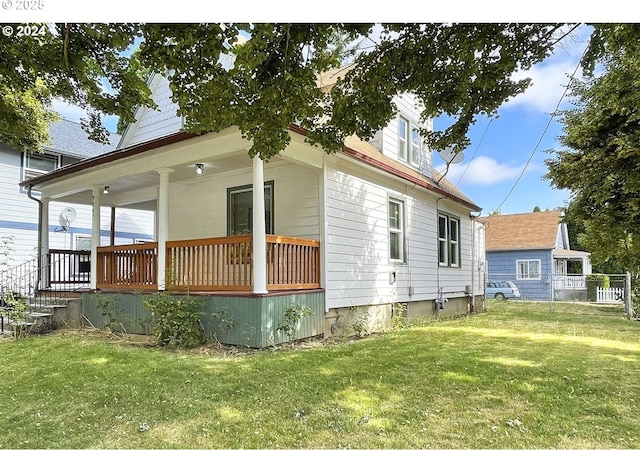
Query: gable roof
x=527 y=231
x=68 y=138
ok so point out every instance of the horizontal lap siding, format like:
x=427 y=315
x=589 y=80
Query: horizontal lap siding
x=502 y=266
x=205 y=215
x=358 y=265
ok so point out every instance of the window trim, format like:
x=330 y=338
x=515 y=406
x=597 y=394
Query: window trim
x=408 y=142
x=29 y=173
x=519 y=275
x=452 y=246
x=404 y=138
x=249 y=188
x=401 y=231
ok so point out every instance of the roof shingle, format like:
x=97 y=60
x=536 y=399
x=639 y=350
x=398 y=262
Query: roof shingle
x=537 y=230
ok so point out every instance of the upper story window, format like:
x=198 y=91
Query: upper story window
x=409 y=142
x=36 y=164
x=448 y=240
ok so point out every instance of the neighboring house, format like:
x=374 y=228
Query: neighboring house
x=356 y=236
x=532 y=250
x=69 y=224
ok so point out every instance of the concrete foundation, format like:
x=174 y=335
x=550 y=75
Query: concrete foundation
x=362 y=320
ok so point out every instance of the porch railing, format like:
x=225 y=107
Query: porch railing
x=68 y=267
x=226 y=264
x=576 y=282
x=133 y=266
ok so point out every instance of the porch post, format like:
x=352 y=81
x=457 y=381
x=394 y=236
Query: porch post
x=259 y=232
x=95 y=236
x=163 y=226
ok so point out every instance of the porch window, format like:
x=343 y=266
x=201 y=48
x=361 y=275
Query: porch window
x=82 y=263
x=448 y=240
x=528 y=269
x=36 y=164
x=240 y=209
x=396 y=230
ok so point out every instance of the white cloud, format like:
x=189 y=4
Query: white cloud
x=484 y=170
x=550 y=77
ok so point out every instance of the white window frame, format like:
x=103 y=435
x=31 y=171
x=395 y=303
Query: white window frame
x=28 y=172
x=403 y=139
x=525 y=273
x=79 y=260
x=415 y=152
x=409 y=149
x=448 y=245
x=398 y=230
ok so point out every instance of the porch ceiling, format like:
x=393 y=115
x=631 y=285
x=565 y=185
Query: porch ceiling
x=133 y=180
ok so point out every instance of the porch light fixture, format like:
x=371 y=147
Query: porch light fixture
x=199 y=169
x=105 y=190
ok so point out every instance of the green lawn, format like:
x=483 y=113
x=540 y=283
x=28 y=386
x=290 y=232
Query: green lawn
x=520 y=375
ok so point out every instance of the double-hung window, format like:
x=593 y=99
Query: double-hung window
x=528 y=269
x=409 y=142
x=396 y=230
x=448 y=240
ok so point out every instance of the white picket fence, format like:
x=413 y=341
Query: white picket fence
x=610 y=295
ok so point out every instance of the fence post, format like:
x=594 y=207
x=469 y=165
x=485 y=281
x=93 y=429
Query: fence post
x=627 y=296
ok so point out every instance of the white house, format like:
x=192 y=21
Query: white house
x=69 y=224
x=359 y=236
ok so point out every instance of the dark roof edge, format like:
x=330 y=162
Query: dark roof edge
x=112 y=156
x=183 y=135
x=392 y=170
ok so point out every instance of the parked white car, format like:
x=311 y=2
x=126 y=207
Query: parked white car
x=501 y=290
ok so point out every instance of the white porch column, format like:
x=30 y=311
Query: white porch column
x=95 y=235
x=44 y=243
x=259 y=232
x=163 y=226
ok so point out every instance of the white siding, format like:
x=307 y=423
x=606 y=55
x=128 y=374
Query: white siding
x=151 y=123
x=387 y=140
x=357 y=244
x=19 y=216
x=296 y=202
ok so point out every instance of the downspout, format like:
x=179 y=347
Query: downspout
x=39 y=252
x=439 y=289
x=474 y=261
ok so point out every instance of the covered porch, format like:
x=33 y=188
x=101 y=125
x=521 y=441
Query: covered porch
x=211 y=265
x=213 y=231
x=569 y=278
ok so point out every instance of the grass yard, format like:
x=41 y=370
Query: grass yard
x=521 y=375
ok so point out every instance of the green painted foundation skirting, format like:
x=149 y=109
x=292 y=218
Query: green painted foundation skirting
x=235 y=320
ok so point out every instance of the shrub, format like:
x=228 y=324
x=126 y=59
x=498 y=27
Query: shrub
x=177 y=320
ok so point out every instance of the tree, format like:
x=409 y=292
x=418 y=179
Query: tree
x=600 y=163
x=84 y=64
x=462 y=70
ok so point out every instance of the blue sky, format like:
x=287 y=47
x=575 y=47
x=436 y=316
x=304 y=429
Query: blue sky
x=496 y=172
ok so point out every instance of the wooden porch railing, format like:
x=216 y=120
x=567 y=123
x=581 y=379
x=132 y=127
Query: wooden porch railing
x=292 y=263
x=226 y=264
x=132 y=266
x=214 y=264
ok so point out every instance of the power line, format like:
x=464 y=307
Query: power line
x=474 y=153
x=546 y=128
